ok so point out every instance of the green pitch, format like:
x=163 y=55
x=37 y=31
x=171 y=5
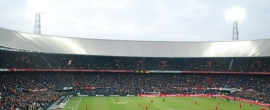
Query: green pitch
x=132 y=103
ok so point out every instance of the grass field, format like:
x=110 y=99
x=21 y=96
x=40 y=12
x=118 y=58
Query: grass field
x=132 y=103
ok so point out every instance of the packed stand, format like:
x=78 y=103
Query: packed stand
x=62 y=80
x=20 y=85
x=30 y=101
x=9 y=59
x=113 y=83
x=27 y=90
x=253 y=95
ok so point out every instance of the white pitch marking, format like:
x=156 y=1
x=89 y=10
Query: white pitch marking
x=111 y=98
x=78 y=103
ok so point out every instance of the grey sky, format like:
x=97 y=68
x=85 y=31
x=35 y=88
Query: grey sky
x=158 y=20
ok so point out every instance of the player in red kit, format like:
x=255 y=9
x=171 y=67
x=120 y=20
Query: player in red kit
x=146 y=108
x=152 y=101
x=240 y=105
x=216 y=107
x=86 y=107
x=195 y=102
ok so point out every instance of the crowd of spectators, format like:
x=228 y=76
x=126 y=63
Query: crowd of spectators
x=9 y=59
x=254 y=96
x=22 y=82
x=17 y=87
x=30 y=101
x=169 y=83
x=63 y=80
x=107 y=83
x=37 y=90
x=27 y=90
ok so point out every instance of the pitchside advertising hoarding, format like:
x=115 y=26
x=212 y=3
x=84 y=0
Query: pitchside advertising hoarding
x=126 y=71
x=178 y=95
x=67 y=70
x=115 y=95
x=108 y=95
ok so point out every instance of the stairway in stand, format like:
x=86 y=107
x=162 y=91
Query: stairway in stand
x=76 y=81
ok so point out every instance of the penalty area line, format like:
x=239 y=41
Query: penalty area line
x=111 y=98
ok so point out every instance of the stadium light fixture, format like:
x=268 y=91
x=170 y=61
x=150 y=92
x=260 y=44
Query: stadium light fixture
x=234 y=15
x=38 y=7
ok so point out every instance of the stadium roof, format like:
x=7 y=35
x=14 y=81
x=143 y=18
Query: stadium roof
x=64 y=45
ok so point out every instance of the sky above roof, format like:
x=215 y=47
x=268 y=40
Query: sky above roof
x=154 y=20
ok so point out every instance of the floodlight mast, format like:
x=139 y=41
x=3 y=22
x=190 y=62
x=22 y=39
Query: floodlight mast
x=235 y=31
x=38 y=7
x=234 y=15
x=37 y=28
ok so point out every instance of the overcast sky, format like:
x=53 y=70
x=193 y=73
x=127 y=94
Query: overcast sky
x=156 y=20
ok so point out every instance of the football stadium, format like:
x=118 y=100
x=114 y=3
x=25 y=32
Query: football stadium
x=138 y=55
x=46 y=72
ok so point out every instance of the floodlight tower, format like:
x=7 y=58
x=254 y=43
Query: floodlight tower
x=37 y=28
x=38 y=7
x=235 y=31
x=234 y=15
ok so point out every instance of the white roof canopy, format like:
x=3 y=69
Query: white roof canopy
x=63 y=45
